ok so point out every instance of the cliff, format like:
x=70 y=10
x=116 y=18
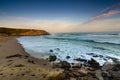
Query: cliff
x=21 y=32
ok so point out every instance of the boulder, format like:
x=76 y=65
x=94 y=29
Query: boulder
x=106 y=75
x=116 y=67
x=79 y=59
x=107 y=66
x=77 y=65
x=67 y=57
x=52 y=58
x=111 y=67
x=51 y=50
x=65 y=65
x=99 y=75
x=115 y=75
x=93 y=63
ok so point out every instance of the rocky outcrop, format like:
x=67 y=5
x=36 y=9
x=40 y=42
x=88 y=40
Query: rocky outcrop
x=21 y=32
x=93 y=71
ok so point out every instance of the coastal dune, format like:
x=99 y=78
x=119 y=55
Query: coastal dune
x=16 y=64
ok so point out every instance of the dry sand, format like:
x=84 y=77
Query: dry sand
x=16 y=64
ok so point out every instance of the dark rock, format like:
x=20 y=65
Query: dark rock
x=19 y=65
x=67 y=75
x=105 y=59
x=90 y=53
x=115 y=75
x=56 y=65
x=31 y=61
x=67 y=57
x=75 y=74
x=116 y=67
x=95 y=55
x=26 y=56
x=101 y=56
x=91 y=69
x=106 y=75
x=72 y=63
x=77 y=65
x=93 y=63
x=82 y=60
x=52 y=58
x=15 y=55
x=111 y=67
x=65 y=65
x=51 y=50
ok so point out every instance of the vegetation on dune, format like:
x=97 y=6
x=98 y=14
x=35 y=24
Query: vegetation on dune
x=21 y=32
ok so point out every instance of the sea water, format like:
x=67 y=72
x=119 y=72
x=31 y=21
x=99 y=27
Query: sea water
x=75 y=45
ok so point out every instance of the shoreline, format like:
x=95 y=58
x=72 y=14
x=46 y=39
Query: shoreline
x=16 y=63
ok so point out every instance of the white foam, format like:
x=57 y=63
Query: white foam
x=39 y=46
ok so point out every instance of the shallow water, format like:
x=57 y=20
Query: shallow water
x=74 y=45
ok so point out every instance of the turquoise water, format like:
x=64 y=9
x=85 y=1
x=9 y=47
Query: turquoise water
x=73 y=44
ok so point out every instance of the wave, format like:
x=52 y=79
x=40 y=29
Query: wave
x=99 y=48
x=84 y=40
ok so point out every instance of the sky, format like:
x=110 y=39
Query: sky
x=61 y=15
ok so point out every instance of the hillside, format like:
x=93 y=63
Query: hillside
x=21 y=32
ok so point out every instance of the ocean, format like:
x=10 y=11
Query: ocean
x=75 y=45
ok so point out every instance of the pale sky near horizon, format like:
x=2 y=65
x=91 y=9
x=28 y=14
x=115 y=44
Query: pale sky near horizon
x=61 y=15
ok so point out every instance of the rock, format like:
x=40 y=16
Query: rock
x=99 y=75
x=31 y=61
x=95 y=55
x=75 y=74
x=90 y=53
x=91 y=69
x=52 y=58
x=15 y=55
x=56 y=65
x=93 y=63
x=67 y=57
x=72 y=63
x=116 y=67
x=106 y=75
x=115 y=75
x=67 y=74
x=107 y=66
x=101 y=56
x=82 y=60
x=65 y=65
x=111 y=67
x=51 y=50
x=77 y=65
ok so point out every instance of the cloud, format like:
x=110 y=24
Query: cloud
x=52 y=26
x=113 y=10
x=16 y=18
x=96 y=24
x=100 y=25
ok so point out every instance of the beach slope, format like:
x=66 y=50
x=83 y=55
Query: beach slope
x=16 y=64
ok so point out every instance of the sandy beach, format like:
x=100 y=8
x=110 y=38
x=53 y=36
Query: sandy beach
x=16 y=64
